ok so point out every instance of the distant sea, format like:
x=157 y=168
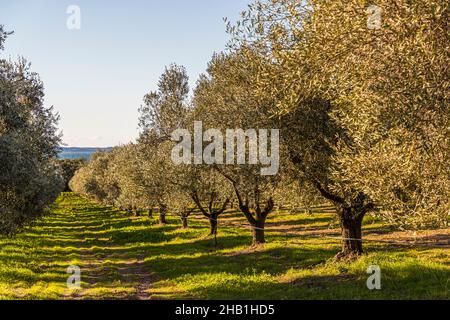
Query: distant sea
x=77 y=153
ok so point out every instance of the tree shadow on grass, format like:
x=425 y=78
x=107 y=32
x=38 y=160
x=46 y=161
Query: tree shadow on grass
x=272 y=261
x=399 y=282
x=115 y=249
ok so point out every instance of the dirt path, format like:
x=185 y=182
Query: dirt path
x=110 y=268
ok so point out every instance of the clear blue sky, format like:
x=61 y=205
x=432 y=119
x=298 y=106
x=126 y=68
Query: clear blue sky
x=96 y=77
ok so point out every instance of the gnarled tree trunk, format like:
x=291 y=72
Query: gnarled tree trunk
x=351 y=215
x=211 y=213
x=258 y=232
x=184 y=221
x=351 y=226
x=162 y=214
x=150 y=212
x=213 y=224
x=351 y=219
x=257 y=221
x=162 y=218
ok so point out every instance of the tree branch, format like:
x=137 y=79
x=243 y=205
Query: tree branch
x=328 y=195
x=197 y=201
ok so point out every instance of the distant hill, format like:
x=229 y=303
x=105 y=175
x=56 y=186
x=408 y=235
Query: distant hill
x=77 y=153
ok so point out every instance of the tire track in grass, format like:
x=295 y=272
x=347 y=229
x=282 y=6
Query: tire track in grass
x=108 y=270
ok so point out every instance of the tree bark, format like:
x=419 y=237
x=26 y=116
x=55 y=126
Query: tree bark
x=162 y=214
x=211 y=214
x=258 y=232
x=184 y=221
x=162 y=218
x=259 y=220
x=351 y=226
x=213 y=224
x=351 y=216
x=150 y=212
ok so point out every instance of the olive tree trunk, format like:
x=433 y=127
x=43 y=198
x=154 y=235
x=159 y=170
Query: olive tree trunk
x=162 y=214
x=351 y=226
x=213 y=224
x=351 y=213
x=184 y=221
x=162 y=218
x=210 y=213
x=258 y=232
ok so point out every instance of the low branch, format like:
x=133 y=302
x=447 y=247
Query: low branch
x=327 y=194
x=197 y=201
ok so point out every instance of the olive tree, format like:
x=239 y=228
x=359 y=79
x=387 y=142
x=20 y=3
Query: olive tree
x=95 y=180
x=69 y=167
x=211 y=194
x=225 y=99
x=164 y=111
x=30 y=178
x=357 y=89
x=125 y=170
x=207 y=189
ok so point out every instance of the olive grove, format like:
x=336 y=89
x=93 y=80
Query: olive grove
x=360 y=102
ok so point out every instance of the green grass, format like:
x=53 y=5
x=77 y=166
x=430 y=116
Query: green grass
x=123 y=257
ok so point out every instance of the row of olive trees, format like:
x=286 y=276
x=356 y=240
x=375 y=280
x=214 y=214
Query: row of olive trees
x=363 y=114
x=377 y=99
x=30 y=177
x=142 y=176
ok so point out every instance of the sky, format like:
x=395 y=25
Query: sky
x=96 y=76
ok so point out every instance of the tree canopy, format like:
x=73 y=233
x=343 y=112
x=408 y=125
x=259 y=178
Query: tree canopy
x=30 y=177
x=358 y=92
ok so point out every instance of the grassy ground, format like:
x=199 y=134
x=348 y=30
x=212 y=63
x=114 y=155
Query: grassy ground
x=123 y=257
